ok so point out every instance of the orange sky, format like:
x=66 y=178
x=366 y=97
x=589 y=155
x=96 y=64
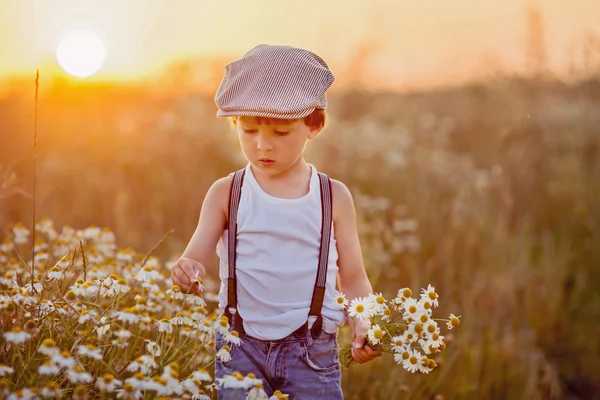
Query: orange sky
x=417 y=42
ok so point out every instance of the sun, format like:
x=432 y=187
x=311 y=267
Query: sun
x=81 y=53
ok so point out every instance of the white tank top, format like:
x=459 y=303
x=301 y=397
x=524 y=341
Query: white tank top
x=278 y=246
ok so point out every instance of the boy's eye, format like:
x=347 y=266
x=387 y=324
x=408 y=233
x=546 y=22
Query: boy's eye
x=250 y=131
x=281 y=133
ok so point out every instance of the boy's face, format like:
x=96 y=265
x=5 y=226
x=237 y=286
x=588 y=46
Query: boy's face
x=274 y=147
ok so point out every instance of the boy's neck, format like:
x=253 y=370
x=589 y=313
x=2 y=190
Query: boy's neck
x=289 y=184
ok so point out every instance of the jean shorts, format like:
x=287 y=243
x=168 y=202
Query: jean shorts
x=297 y=365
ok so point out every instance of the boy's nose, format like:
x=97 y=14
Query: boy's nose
x=262 y=143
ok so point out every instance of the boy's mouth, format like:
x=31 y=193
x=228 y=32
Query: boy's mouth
x=266 y=161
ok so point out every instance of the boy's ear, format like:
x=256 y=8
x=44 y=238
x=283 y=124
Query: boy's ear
x=314 y=132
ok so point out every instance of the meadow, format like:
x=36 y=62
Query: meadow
x=490 y=192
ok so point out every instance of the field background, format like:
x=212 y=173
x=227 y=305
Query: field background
x=502 y=175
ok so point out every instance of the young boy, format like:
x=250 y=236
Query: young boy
x=288 y=231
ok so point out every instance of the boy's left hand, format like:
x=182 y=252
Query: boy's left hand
x=362 y=352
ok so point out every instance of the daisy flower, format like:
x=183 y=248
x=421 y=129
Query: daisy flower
x=63 y=360
x=144 y=364
x=147 y=273
x=430 y=294
x=47 y=368
x=175 y=293
x=222 y=325
x=164 y=326
x=89 y=351
x=17 y=335
x=54 y=274
x=360 y=308
x=377 y=302
x=398 y=344
x=52 y=390
x=233 y=338
x=48 y=348
x=411 y=364
x=153 y=348
x=20 y=234
x=128 y=391
x=5 y=370
x=79 y=375
x=411 y=309
x=223 y=354
x=453 y=322
x=375 y=334
x=341 y=301
x=108 y=383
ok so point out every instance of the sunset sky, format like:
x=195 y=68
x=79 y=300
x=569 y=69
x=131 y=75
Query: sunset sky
x=418 y=42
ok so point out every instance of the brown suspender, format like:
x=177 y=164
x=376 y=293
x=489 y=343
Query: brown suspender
x=321 y=279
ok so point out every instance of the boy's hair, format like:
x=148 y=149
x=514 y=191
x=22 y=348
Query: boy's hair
x=316 y=119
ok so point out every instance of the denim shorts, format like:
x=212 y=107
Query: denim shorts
x=300 y=366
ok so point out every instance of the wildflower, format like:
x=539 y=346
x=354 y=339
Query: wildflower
x=123 y=334
x=453 y=322
x=52 y=390
x=9 y=279
x=79 y=375
x=37 y=286
x=144 y=364
x=233 y=337
x=430 y=294
x=101 y=330
x=181 y=319
x=200 y=395
x=89 y=351
x=17 y=335
x=411 y=310
x=25 y=393
x=411 y=364
x=47 y=368
x=360 y=308
x=341 y=301
x=48 y=348
x=223 y=354
x=148 y=274
x=129 y=315
x=257 y=393
x=108 y=383
x=175 y=293
x=375 y=334
x=63 y=360
x=128 y=391
x=164 y=326
x=386 y=314
x=377 y=302
x=5 y=370
x=201 y=375
x=277 y=395
x=222 y=325
x=138 y=381
x=233 y=381
x=81 y=392
x=196 y=300
x=87 y=315
x=153 y=348
x=20 y=234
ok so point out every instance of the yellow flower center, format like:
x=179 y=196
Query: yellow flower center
x=55 y=269
x=234 y=333
x=85 y=312
x=380 y=300
x=407 y=292
x=340 y=300
x=435 y=336
x=378 y=334
x=147 y=268
x=387 y=312
x=431 y=328
x=108 y=378
x=251 y=375
x=418 y=328
x=424 y=318
x=227 y=348
x=455 y=322
x=176 y=288
x=427 y=305
x=412 y=309
x=78 y=368
x=398 y=343
x=360 y=308
x=432 y=295
x=405 y=355
x=413 y=360
x=48 y=343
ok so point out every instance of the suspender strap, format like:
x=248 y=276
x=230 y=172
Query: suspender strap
x=326 y=223
x=321 y=280
x=235 y=193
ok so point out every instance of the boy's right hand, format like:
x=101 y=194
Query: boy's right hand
x=188 y=275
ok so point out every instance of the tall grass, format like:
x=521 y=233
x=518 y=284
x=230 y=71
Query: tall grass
x=501 y=177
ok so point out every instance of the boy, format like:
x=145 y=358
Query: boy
x=288 y=231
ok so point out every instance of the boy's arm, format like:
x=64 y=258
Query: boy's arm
x=201 y=246
x=353 y=279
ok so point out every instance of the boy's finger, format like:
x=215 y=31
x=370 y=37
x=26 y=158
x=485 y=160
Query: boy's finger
x=182 y=278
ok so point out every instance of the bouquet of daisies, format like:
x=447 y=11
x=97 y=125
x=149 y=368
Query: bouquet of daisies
x=404 y=327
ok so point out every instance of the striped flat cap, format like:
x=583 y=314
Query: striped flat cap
x=274 y=81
